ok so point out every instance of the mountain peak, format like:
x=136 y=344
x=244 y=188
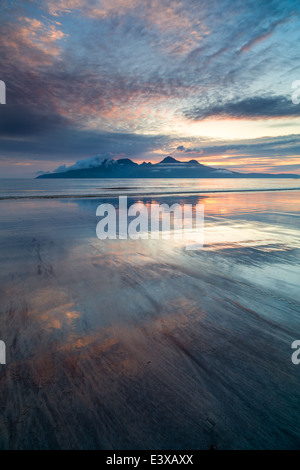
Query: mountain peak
x=125 y=161
x=169 y=160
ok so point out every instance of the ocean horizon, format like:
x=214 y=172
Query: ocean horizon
x=14 y=188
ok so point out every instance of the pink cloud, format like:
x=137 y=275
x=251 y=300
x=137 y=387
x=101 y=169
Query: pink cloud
x=32 y=41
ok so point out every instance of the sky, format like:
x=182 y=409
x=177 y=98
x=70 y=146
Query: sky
x=142 y=79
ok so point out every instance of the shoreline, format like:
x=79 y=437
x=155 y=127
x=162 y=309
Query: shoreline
x=153 y=194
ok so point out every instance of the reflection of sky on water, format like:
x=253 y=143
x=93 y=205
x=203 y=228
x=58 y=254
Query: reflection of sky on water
x=248 y=231
x=194 y=333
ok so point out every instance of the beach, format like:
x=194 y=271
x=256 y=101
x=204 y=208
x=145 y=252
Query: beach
x=142 y=344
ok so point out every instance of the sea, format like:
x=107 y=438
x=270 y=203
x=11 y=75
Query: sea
x=51 y=188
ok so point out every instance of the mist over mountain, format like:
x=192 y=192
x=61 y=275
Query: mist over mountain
x=169 y=167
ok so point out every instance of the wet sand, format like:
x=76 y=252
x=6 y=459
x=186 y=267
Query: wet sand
x=127 y=344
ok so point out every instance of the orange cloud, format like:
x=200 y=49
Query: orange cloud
x=33 y=42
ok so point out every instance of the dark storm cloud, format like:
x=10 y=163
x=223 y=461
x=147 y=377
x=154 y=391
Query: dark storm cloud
x=21 y=121
x=255 y=107
x=71 y=143
x=281 y=145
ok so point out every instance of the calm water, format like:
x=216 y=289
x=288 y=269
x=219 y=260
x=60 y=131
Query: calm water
x=32 y=188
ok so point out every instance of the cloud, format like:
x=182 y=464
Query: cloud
x=43 y=137
x=87 y=163
x=89 y=77
x=25 y=122
x=30 y=42
x=272 y=147
x=265 y=34
x=248 y=108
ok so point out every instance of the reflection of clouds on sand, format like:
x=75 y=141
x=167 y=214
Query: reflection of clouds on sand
x=51 y=309
x=225 y=234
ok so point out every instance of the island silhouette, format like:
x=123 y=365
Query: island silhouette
x=169 y=167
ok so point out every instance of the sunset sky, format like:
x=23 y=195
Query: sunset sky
x=206 y=80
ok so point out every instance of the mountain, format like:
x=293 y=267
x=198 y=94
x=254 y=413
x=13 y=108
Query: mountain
x=169 y=167
x=169 y=160
x=126 y=161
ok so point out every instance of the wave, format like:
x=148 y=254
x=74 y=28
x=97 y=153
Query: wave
x=141 y=194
